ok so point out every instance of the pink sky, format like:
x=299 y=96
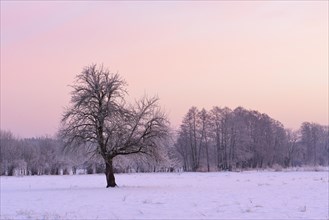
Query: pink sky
x=269 y=56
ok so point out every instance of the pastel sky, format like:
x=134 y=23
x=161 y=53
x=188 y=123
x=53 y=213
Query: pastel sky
x=270 y=56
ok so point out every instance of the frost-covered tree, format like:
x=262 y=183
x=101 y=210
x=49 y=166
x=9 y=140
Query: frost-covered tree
x=100 y=119
x=314 y=140
x=205 y=134
x=292 y=150
x=188 y=143
x=9 y=152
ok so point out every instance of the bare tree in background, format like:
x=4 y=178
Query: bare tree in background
x=315 y=141
x=292 y=149
x=189 y=129
x=205 y=134
x=100 y=119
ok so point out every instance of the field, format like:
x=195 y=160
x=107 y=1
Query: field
x=222 y=195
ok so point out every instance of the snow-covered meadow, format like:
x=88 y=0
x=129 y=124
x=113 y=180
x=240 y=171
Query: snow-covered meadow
x=221 y=195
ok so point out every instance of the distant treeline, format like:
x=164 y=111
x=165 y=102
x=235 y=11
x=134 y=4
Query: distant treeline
x=219 y=139
x=46 y=156
x=225 y=139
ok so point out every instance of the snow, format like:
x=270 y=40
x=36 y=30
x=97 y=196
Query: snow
x=221 y=195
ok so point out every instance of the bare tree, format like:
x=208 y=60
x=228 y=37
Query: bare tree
x=189 y=140
x=205 y=133
x=226 y=124
x=100 y=119
x=9 y=152
x=314 y=139
x=220 y=123
x=292 y=149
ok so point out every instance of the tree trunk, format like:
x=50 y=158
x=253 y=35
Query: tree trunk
x=110 y=179
x=207 y=152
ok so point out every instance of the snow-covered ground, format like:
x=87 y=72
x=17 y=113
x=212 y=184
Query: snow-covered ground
x=222 y=195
